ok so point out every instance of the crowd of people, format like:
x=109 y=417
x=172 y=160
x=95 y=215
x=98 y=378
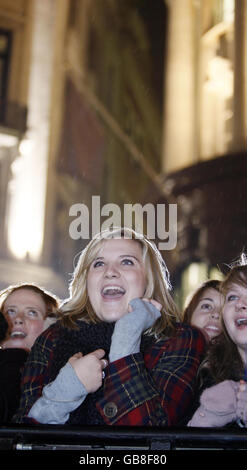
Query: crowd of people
x=118 y=351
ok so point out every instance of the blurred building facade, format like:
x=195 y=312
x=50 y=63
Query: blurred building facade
x=133 y=101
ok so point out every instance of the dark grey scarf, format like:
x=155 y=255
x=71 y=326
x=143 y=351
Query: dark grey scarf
x=85 y=339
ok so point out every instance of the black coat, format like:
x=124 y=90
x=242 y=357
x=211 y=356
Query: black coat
x=11 y=363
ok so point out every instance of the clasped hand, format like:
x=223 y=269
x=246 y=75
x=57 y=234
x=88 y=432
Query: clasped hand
x=89 y=368
x=221 y=404
x=241 y=412
x=126 y=338
x=234 y=397
x=141 y=315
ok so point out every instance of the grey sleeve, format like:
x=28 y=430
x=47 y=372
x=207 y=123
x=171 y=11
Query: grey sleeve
x=126 y=338
x=59 y=398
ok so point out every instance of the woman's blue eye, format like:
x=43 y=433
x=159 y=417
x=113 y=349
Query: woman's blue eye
x=206 y=306
x=231 y=297
x=10 y=312
x=32 y=313
x=127 y=262
x=98 y=264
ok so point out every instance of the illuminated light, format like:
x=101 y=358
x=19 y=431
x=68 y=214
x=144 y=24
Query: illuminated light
x=216 y=274
x=25 y=147
x=192 y=277
x=27 y=198
x=196 y=272
x=220 y=77
x=8 y=140
x=228 y=10
x=26 y=209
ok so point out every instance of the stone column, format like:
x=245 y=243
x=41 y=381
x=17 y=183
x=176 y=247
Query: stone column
x=27 y=203
x=240 y=76
x=179 y=87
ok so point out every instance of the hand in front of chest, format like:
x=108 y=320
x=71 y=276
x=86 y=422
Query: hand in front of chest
x=89 y=368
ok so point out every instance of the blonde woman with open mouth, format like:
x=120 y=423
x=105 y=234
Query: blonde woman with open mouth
x=119 y=354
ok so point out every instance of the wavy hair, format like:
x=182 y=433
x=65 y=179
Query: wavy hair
x=223 y=359
x=78 y=307
x=196 y=297
x=51 y=300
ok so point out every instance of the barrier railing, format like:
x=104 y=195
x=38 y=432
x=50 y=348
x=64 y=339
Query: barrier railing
x=32 y=437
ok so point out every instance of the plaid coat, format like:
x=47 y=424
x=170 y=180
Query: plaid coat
x=151 y=389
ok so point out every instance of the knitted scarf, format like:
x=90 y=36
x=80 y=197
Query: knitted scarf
x=85 y=339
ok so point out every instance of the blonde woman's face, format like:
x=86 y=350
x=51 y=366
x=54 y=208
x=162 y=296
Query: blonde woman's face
x=115 y=277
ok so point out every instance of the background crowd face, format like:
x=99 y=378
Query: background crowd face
x=207 y=314
x=235 y=316
x=25 y=312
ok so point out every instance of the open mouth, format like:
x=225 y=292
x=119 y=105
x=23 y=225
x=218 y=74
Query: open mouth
x=241 y=321
x=18 y=334
x=112 y=292
x=212 y=328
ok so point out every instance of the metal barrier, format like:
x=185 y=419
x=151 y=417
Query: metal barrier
x=32 y=437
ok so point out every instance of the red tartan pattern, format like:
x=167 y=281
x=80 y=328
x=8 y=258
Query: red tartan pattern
x=168 y=377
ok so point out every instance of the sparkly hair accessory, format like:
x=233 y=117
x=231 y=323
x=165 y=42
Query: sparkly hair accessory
x=241 y=261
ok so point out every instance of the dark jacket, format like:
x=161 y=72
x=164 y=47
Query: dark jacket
x=11 y=363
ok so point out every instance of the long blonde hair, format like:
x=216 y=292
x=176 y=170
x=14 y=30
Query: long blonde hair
x=77 y=306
